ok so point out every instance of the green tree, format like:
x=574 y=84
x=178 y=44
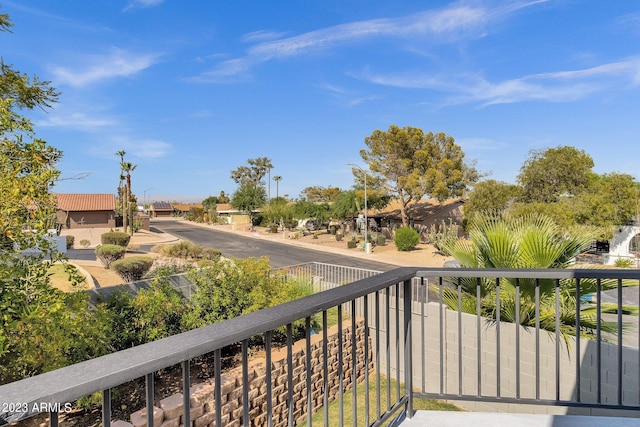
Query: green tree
x=248 y=198
x=210 y=203
x=305 y=209
x=277 y=180
x=413 y=164
x=534 y=241
x=490 y=195
x=345 y=205
x=319 y=194
x=251 y=194
x=548 y=174
x=254 y=173
x=30 y=308
x=279 y=211
x=128 y=200
x=610 y=201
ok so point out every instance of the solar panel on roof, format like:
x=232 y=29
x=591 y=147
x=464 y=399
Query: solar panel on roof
x=162 y=206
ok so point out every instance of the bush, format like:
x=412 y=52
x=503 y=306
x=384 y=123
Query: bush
x=109 y=253
x=132 y=268
x=381 y=240
x=406 y=239
x=152 y=314
x=115 y=238
x=228 y=289
x=338 y=236
x=625 y=263
x=352 y=244
x=85 y=243
x=187 y=250
x=70 y=240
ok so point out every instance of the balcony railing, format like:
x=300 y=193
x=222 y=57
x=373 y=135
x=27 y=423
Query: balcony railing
x=395 y=326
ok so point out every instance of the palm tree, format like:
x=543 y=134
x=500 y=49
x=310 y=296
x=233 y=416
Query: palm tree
x=277 y=179
x=526 y=242
x=125 y=194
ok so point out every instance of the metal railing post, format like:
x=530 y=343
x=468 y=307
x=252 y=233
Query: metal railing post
x=408 y=348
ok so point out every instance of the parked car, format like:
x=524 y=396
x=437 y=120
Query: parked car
x=312 y=225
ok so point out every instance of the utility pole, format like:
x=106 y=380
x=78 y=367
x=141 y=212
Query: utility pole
x=366 y=220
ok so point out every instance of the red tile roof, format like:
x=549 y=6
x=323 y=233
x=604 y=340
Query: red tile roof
x=86 y=202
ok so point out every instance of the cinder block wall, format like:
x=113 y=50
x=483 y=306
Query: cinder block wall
x=427 y=365
x=169 y=411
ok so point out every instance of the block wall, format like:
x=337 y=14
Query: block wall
x=169 y=412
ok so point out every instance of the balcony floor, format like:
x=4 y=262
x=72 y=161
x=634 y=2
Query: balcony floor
x=490 y=419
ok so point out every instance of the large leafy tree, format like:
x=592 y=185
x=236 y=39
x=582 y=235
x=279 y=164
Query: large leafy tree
x=490 y=196
x=549 y=174
x=251 y=194
x=254 y=172
x=30 y=308
x=345 y=205
x=610 y=201
x=319 y=194
x=413 y=164
x=525 y=242
x=248 y=198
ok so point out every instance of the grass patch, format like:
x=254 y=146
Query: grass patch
x=386 y=387
x=60 y=279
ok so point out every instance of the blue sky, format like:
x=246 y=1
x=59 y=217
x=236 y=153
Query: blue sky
x=192 y=89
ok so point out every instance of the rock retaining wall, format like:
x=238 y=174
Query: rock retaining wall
x=168 y=412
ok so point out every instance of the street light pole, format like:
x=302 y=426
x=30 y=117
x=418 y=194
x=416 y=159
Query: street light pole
x=144 y=197
x=366 y=219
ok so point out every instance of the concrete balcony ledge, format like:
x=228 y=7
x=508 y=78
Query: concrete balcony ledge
x=491 y=419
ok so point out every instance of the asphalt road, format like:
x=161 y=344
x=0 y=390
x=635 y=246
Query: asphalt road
x=233 y=245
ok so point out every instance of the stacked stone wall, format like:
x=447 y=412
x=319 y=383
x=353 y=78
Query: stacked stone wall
x=169 y=412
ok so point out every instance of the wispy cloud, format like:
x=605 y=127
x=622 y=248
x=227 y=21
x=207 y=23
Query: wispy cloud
x=97 y=68
x=346 y=96
x=136 y=149
x=453 y=22
x=142 y=4
x=559 y=86
x=261 y=36
x=78 y=121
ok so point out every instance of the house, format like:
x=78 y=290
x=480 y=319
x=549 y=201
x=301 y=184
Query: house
x=422 y=215
x=160 y=210
x=86 y=210
x=183 y=209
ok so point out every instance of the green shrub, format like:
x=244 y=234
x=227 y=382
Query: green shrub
x=109 y=253
x=152 y=314
x=70 y=240
x=187 y=250
x=625 y=263
x=85 y=243
x=352 y=244
x=132 y=268
x=381 y=240
x=406 y=239
x=273 y=229
x=228 y=289
x=115 y=238
x=338 y=236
